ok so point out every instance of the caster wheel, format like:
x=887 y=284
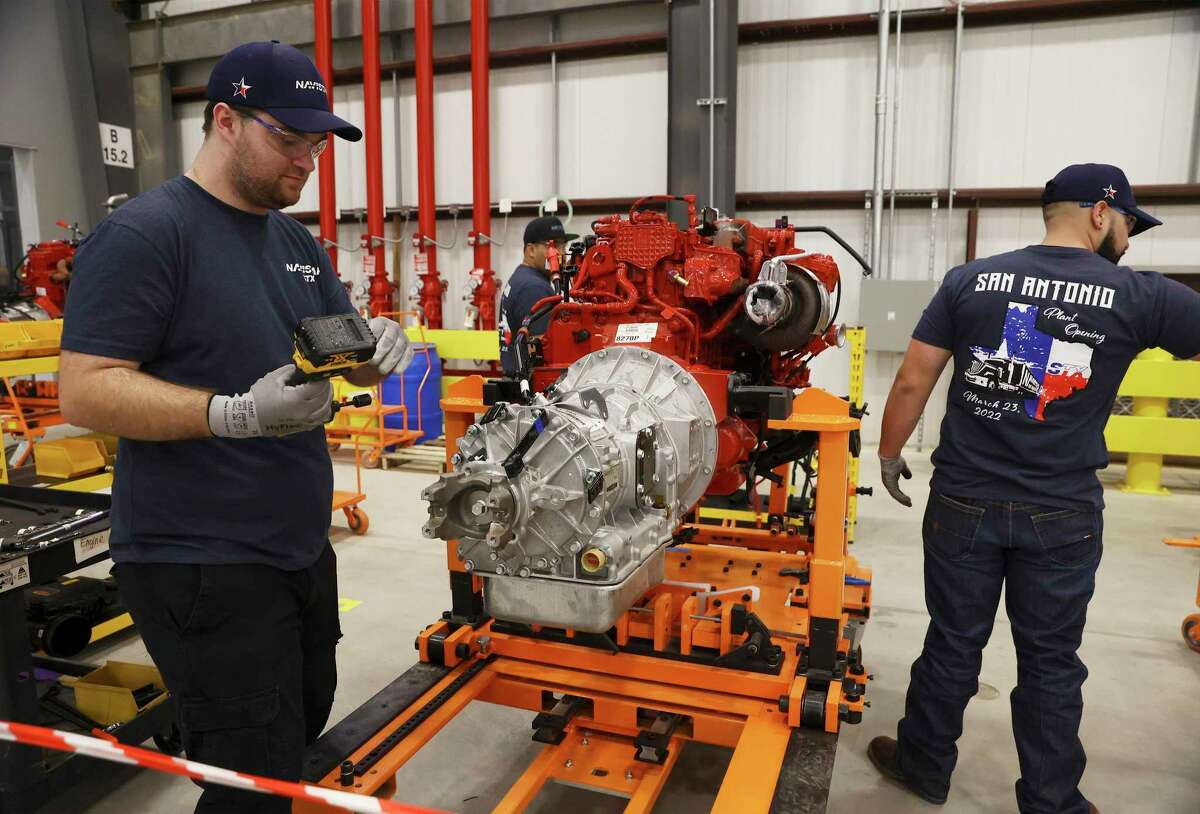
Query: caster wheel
x=1191 y=631
x=373 y=461
x=358 y=520
x=170 y=742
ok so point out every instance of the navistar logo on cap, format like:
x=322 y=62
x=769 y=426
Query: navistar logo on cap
x=309 y=84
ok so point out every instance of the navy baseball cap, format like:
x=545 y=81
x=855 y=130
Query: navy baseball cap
x=1091 y=183
x=279 y=80
x=546 y=228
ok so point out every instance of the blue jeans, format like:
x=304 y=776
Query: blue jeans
x=1046 y=558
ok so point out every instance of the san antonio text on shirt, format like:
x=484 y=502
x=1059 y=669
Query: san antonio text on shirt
x=1042 y=288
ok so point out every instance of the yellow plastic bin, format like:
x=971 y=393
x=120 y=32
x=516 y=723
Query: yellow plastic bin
x=69 y=457
x=106 y=694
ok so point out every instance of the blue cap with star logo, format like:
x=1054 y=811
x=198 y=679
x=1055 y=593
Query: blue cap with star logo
x=1092 y=183
x=282 y=81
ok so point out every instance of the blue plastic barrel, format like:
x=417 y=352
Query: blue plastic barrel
x=430 y=415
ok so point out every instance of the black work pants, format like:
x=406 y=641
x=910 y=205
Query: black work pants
x=248 y=653
x=1045 y=559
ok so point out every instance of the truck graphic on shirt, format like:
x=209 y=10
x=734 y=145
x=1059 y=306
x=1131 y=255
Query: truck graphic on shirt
x=1007 y=375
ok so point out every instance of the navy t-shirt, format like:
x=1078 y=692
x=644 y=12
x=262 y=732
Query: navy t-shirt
x=1042 y=337
x=523 y=290
x=207 y=296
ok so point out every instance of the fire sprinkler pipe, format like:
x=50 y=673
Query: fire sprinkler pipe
x=484 y=298
x=381 y=286
x=430 y=296
x=323 y=23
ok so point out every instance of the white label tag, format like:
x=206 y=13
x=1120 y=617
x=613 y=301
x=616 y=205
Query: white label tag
x=91 y=545
x=636 y=332
x=14 y=574
x=116 y=143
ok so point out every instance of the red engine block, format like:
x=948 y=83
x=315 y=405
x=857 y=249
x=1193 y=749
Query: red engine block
x=642 y=280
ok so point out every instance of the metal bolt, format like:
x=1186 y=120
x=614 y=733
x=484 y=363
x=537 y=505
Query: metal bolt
x=584 y=741
x=602 y=354
x=686 y=380
x=492 y=555
x=708 y=470
x=629 y=774
x=478 y=508
x=641 y=453
x=647 y=501
x=469 y=565
x=570 y=764
x=645 y=355
x=576 y=547
x=708 y=422
x=456 y=459
x=500 y=569
x=541 y=562
x=525 y=571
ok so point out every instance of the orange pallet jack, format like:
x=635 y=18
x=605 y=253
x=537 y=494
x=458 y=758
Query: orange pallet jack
x=751 y=643
x=1190 y=629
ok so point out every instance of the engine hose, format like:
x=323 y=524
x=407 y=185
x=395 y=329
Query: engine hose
x=724 y=321
x=624 y=306
x=668 y=311
x=838 y=239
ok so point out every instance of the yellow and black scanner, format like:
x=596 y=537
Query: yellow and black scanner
x=329 y=346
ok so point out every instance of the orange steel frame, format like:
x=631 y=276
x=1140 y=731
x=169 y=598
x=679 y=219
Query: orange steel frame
x=753 y=713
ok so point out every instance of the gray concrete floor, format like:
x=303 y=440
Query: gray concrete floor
x=1141 y=724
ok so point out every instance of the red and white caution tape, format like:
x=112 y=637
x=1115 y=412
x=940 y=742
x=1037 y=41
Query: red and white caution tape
x=133 y=755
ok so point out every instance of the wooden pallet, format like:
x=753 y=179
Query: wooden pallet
x=427 y=457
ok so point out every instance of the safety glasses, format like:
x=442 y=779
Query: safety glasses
x=289 y=144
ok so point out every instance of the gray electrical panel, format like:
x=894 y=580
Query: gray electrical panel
x=890 y=310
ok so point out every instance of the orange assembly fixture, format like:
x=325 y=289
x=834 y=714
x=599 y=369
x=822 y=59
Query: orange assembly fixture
x=620 y=472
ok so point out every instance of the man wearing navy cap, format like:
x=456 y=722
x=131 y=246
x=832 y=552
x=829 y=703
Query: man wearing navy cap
x=177 y=338
x=1041 y=338
x=529 y=283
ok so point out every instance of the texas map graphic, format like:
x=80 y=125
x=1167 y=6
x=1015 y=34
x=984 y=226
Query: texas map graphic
x=1030 y=363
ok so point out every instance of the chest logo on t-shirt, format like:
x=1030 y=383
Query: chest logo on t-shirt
x=307 y=270
x=1030 y=364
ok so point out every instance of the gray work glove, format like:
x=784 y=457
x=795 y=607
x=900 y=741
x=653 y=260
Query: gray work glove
x=891 y=469
x=393 y=351
x=272 y=407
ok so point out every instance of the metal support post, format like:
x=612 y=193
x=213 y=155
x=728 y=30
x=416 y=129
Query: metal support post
x=958 y=40
x=702 y=103
x=880 y=136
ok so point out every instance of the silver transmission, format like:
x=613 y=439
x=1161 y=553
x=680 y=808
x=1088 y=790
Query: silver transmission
x=564 y=505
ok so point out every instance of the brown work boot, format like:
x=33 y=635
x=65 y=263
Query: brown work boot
x=1092 y=809
x=883 y=752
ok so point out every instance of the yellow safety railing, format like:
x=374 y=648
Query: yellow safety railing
x=856 y=340
x=1149 y=434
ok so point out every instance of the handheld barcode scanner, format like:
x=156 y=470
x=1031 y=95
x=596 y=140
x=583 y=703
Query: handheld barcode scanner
x=329 y=346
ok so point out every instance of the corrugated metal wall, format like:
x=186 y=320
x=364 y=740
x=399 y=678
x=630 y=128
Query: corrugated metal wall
x=1121 y=90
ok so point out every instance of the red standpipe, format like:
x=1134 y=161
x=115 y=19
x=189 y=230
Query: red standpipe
x=381 y=287
x=431 y=285
x=323 y=15
x=485 y=292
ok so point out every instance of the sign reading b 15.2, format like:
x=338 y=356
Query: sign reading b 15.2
x=116 y=143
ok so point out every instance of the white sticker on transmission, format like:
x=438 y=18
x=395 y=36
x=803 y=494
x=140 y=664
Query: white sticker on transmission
x=636 y=332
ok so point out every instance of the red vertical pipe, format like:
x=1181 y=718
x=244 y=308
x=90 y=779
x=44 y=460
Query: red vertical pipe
x=381 y=287
x=322 y=17
x=485 y=293
x=431 y=284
